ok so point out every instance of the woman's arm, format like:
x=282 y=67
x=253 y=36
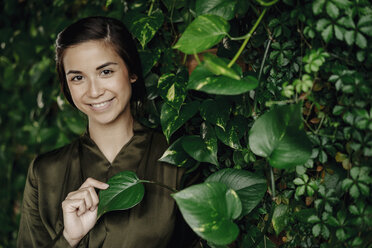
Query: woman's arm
x=32 y=232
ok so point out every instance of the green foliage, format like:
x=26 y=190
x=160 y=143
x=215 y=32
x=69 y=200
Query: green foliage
x=272 y=76
x=125 y=191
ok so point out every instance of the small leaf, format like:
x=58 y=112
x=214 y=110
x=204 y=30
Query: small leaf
x=203 y=33
x=172 y=88
x=171 y=120
x=327 y=33
x=332 y=10
x=176 y=155
x=361 y=41
x=216 y=111
x=218 y=66
x=210 y=209
x=198 y=149
x=318 y=6
x=250 y=187
x=125 y=191
x=279 y=220
x=317 y=229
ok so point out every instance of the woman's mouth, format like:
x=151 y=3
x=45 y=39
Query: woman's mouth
x=101 y=105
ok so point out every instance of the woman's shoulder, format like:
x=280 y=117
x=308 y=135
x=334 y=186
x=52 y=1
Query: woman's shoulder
x=54 y=160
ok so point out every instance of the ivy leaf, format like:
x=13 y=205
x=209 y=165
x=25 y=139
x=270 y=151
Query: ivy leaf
x=125 y=191
x=209 y=209
x=202 y=79
x=197 y=148
x=250 y=187
x=278 y=135
x=172 y=88
x=171 y=119
x=176 y=155
x=149 y=58
x=216 y=111
x=232 y=133
x=221 y=8
x=203 y=33
x=279 y=218
x=144 y=27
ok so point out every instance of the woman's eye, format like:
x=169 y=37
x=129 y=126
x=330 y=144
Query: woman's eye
x=77 y=78
x=106 y=72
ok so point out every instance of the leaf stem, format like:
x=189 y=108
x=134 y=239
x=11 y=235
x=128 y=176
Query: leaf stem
x=272 y=182
x=197 y=58
x=248 y=36
x=160 y=184
x=151 y=7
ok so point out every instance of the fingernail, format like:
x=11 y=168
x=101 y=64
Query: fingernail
x=106 y=185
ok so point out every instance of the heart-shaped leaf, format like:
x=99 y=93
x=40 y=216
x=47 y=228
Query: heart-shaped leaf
x=209 y=209
x=203 y=33
x=171 y=119
x=216 y=111
x=202 y=79
x=144 y=27
x=176 y=155
x=172 y=89
x=278 y=135
x=233 y=132
x=250 y=187
x=125 y=191
x=149 y=58
x=198 y=149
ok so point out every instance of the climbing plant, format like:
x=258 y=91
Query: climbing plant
x=269 y=100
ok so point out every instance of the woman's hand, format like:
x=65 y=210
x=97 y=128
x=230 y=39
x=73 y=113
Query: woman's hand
x=80 y=210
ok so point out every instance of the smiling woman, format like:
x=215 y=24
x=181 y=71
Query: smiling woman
x=100 y=74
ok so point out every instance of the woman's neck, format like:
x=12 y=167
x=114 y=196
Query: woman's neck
x=110 y=138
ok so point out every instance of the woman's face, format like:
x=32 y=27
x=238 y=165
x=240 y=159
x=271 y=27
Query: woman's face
x=99 y=82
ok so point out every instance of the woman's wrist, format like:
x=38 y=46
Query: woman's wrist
x=73 y=242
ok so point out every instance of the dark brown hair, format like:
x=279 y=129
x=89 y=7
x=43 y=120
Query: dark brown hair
x=112 y=32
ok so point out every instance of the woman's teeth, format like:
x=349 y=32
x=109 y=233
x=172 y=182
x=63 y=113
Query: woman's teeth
x=99 y=105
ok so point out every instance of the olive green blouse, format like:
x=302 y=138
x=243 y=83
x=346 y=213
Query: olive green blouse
x=53 y=175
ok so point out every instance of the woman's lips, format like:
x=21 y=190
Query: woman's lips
x=101 y=106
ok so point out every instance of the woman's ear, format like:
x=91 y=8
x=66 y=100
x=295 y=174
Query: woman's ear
x=133 y=78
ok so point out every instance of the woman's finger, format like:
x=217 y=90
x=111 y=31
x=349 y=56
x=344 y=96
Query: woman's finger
x=87 y=194
x=74 y=206
x=91 y=182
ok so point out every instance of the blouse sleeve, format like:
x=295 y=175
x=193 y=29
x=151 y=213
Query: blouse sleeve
x=32 y=232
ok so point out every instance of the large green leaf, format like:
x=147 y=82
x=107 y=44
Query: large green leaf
x=202 y=79
x=125 y=191
x=216 y=111
x=221 y=8
x=210 y=209
x=199 y=149
x=144 y=27
x=171 y=119
x=250 y=187
x=176 y=155
x=203 y=33
x=278 y=135
x=172 y=88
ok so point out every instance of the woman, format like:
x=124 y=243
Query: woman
x=100 y=74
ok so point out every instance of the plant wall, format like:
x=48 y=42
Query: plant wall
x=270 y=100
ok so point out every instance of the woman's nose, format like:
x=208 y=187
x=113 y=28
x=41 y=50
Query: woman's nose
x=95 y=90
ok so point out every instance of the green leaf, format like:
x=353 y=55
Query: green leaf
x=354 y=191
x=278 y=135
x=218 y=66
x=317 y=229
x=216 y=111
x=203 y=33
x=313 y=219
x=176 y=155
x=250 y=187
x=341 y=235
x=209 y=209
x=144 y=27
x=197 y=148
x=332 y=10
x=327 y=33
x=232 y=133
x=318 y=6
x=220 y=8
x=361 y=41
x=171 y=120
x=125 y=191
x=149 y=58
x=279 y=220
x=172 y=88
x=202 y=79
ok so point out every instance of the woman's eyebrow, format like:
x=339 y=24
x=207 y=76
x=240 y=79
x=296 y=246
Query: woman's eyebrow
x=106 y=64
x=73 y=72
